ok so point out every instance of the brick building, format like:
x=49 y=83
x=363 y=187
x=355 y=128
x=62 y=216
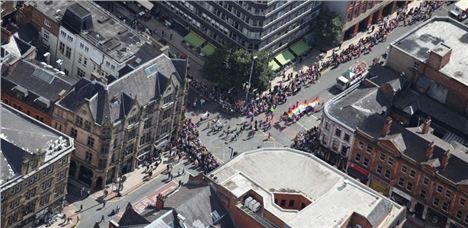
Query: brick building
x=283 y=187
x=33 y=89
x=85 y=40
x=360 y=15
x=434 y=57
x=415 y=168
x=34 y=169
x=119 y=125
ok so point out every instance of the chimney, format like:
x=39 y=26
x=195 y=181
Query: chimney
x=444 y=159
x=61 y=95
x=429 y=150
x=387 y=126
x=159 y=202
x=426 y=126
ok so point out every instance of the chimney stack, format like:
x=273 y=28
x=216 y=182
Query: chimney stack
x=387 y=126
x=426 y=126
x=444 y=159
x=159 y=202
x=429 y=150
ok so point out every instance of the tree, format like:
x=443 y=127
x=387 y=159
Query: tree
x=328 y=28
x=231 y=68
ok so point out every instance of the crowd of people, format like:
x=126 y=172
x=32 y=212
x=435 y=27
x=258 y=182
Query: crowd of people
x=307 y=141
x=234 y=101
x=188 y=145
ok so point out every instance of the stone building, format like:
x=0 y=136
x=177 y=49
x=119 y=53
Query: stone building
x=119 y=125
x=34 y=165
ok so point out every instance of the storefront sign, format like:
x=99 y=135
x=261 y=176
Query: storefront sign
x=401 y=193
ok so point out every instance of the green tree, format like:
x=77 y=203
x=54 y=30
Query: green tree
x=328 y=28
x=231 y=68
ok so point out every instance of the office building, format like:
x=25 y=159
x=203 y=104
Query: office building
x=252 y=25
x=34 y=165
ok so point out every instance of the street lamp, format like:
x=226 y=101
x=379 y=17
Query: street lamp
x=250 y=78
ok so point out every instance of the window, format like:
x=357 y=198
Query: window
x=412 y=173
x=80 y=72
x=382 y=156
x=459 y=214
x=466 y=219
x=426 y=181
x=147 y=124
x=166 y=114
x=390 y=161
x=423 y=194
x=79 y=121
x=129 y=149
x=347 y=137
x=404 y=169
x=104 y=148
x=73 y=132
x=44 y=199
x=47 y=23
x=66 y=71
x=361 y=145
x=338 y=133
x=327 y=126
x=291 y=203
x=80 y=58
x=409 y=186
x=283 y=202
x=68 y=52
x=358 y=157
x=45 y=36
x=168 y=98
x=87 y=125
x=366 y=162
x=440 y=188
x=445 y=205
x=112 y=67
x=88 y=156
x=90 y=142
x=132 y=134
x=81 y=45
x=462 y=201
x=63 y=33
x=46 y=184
x=387 y=174
x=62 y=48
x=86 y=49
x=70 y=39
x=379 y=169
x=435 y=202
x=85 y=61
x=102 y=163
x=369 y=149
x=401 y=182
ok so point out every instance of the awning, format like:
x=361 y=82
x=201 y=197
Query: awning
x=273 y=65
x=300 y=48
x=358 y=172
x=208 y=49
x=194 y=39
x=284 y=57
x=145 y=3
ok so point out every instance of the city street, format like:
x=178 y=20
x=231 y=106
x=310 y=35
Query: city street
x=282 y=136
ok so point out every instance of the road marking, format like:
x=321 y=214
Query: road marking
x=301 y=125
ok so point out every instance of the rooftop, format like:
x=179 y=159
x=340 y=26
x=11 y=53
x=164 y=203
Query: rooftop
x=334 y=195
x=113 y=101
x=22 y=135
x=429 y=36
x=42 y=86
x=94 y=24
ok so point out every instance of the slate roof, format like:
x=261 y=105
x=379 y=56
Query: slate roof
x=413 y=145
x=109 y=103
x=28 y=33
x=39 y=82
x=11 y=160
x=130 y=218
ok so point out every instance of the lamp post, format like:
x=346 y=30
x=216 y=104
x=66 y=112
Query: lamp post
x=250 y=78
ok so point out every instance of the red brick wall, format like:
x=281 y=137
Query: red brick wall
x=27 y=109
x=241 y=219
x=298 y=200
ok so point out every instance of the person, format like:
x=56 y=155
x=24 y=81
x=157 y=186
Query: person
x=81 y=207
x=102 y=218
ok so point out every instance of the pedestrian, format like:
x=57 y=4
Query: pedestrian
x=103 y=203
x=81 y=207
x=102 y=218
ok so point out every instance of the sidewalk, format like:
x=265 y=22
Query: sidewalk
x=312 y=56
x=68 y=212
x=134 y=180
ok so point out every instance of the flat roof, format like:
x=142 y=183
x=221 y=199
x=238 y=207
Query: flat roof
x=334 y=195
x=109 y=34
x=420 y=41
x=22 y=135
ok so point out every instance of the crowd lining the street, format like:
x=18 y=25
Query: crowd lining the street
x=307 y=141
x=233 y=100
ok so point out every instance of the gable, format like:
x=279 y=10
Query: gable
x=389 y=147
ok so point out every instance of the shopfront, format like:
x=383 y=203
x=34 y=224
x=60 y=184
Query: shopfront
x=400 y=197
x=379 y=185
x=359 y=173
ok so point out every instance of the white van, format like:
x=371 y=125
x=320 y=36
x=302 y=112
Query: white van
x=460 y=10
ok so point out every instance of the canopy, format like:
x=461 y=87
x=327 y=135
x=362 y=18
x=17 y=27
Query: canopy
x=194 y=39
x=273 y=65
x=284 y=57
x=300 y=47
x=208 y=49
x=145 y=3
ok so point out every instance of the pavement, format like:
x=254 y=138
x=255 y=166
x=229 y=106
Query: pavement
x=281 y=135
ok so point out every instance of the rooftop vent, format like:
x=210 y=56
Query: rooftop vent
x=458 y=74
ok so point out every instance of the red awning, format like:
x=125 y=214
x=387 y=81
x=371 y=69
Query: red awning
x=359 y=169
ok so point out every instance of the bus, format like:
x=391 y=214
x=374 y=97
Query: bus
x=352 y=75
